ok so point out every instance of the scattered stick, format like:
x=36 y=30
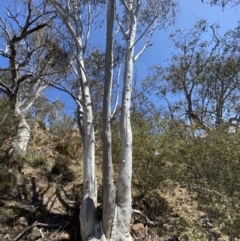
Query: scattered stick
x=42 y=234
x=148 y=221
x=146 y=231
x=37 y=224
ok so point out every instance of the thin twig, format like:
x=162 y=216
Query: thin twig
x=37 y=224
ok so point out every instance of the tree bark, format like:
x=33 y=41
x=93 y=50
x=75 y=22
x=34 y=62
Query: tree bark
x=124 y=192
x=109 y=191
x=20 y=143
x=72 y=19
x=89 y=202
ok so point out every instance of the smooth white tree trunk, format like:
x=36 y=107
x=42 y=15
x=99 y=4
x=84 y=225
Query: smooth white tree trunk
x=89 y=202
x=109 y=190
x=124 y=193
x=117 y=205
x=20 y=143
x=71 y=17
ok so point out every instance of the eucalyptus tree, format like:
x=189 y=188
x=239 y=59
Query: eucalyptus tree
x=223 y=78
x=23 y=64
x=137 y=22
x=133 y=21
x=203 y=76
x=109 y=191
x=78 y=18
x=223 y=3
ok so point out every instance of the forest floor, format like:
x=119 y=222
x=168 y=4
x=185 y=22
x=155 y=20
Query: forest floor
x=40 y=197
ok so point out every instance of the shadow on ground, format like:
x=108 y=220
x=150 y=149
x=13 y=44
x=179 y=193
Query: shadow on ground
x=40 y=207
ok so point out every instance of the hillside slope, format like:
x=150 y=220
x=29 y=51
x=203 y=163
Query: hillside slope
x=40 y=197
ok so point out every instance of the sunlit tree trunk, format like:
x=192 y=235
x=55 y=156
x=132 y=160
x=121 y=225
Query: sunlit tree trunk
x=89 y=202
x=21 y=81
x=20 y=143
x=124 y=194
x=72 y=19
x=115 y=222
x=109 y=191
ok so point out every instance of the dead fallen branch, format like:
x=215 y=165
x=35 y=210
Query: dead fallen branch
x=37 y=224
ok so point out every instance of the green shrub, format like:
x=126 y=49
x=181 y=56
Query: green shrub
x=42 y=124
x=38 y=161
x=61 y=168
x=35 y=158
x=208 y=165
x=8 y=127
x=7 y=181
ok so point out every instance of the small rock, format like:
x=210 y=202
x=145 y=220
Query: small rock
x=215 y=232
x=139 y=230
x=138 y=227
x=22 y=221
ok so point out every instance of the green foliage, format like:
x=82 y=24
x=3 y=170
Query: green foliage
x=144 y=144
x=206 y=162
x=36 y=160
x=202 y=75
x=144 y=148
x=8 y=127
x=42 y=124
x=51 y=115
x=211 y=160
x=209 y=165
x=7 y=181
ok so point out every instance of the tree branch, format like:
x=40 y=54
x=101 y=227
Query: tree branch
x=147 y=42
x=148 y=221
x=37 y=224
x=122 y=28
x=24 y=77
x=4 y=91
x=4 y=28
x=125 y=5
x=88 y=28
x=79 y=102
x=60 y=11
x=117 y=98
x=146 y=29
x=24 y=34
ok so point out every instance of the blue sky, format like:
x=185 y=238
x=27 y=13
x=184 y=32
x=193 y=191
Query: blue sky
x=190 y=12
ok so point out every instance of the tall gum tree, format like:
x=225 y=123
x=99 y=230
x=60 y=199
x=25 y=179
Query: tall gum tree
x=135 y=20
x=21 y=81
x=205 y=73
x=77 y=17
x=109 y=190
